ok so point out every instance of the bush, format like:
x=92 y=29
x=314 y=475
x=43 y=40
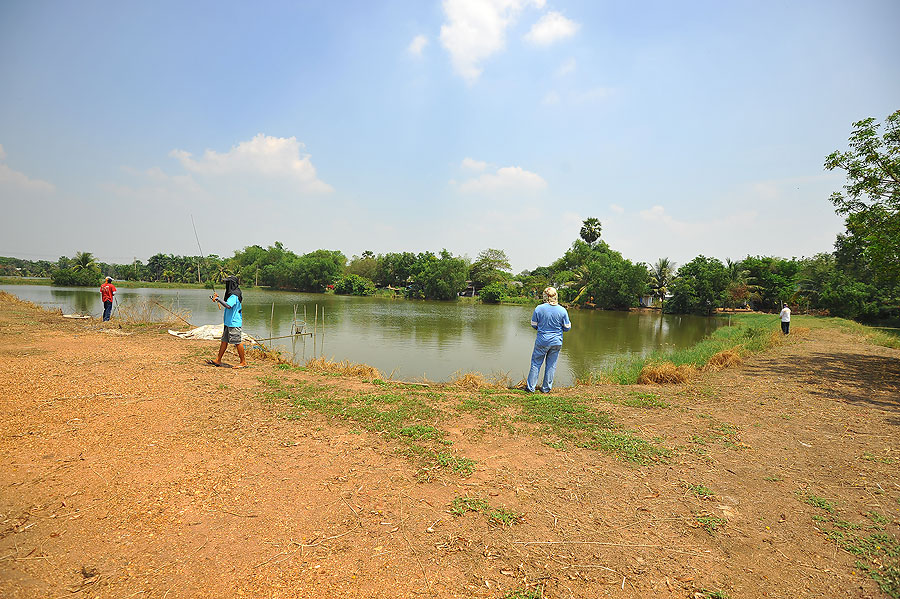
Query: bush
x=66 y=277
x=493 y=293
x=352 y=284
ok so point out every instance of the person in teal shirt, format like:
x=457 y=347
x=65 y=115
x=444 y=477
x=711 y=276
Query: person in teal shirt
x=551 y=320
x=233 y=322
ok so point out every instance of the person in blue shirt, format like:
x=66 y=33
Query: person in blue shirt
x=551 y=320
x=233 y=322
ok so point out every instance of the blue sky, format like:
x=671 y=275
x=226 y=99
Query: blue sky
x=686 y=127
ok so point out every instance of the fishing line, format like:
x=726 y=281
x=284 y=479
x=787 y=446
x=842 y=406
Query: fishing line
x=202 y=255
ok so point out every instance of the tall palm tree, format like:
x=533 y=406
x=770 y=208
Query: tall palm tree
x=590 y=230
x=84 y=261
x=661 y=275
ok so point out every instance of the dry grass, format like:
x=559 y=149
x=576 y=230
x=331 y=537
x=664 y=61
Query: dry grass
x=144 y=311
x=261 y=352
x=727 y=358
x=473 y=381
x=666 y=373
x=589 y=379
x=345 y=367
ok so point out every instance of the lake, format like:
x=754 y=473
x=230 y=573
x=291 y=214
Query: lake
x=410 y=339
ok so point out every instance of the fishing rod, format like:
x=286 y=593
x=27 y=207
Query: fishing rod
x=202 y=255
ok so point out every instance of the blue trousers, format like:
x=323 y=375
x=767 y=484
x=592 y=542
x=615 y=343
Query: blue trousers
x=550 y=353
x=107 y=310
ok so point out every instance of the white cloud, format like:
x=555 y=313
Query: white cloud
x=473 y=165
x=551 y=28
x=508 y=178
x=566 y=68
x=550 y=98
x=476 y=29
x=265 y=156
x=596 y=94
x=617 y=209
x=417 y=45
x=14 y=181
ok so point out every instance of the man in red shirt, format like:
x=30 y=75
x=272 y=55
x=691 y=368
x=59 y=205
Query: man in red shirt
x=107 y=291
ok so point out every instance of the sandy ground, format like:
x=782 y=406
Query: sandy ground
x=128 y=468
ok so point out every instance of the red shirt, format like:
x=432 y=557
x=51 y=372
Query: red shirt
x=106 y=292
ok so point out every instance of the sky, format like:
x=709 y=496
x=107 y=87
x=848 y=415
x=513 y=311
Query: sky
x=686 y=128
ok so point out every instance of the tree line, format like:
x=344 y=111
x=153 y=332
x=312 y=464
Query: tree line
x=860 y=279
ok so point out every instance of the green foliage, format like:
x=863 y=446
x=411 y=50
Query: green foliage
x=699 y=287
x=67 y=277
x=871 y=203
x=590 y=230
x=462 y=505
x=598 y=275
x=490 y=267
x=878 y=550
x=351 y=284
x=438 y=277
x=661 y=274
x=365 y=266
x=394 y=269
x=711 y=523
x=493 y=293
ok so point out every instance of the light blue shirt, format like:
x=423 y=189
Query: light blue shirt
x=551 y=322
x=233 y=317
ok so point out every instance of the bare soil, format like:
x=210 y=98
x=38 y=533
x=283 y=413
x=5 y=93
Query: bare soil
x=128 y=468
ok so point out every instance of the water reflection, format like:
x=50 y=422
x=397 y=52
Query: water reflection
x=411 y=339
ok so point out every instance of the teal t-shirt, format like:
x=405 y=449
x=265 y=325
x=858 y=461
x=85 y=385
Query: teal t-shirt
x=233 y=316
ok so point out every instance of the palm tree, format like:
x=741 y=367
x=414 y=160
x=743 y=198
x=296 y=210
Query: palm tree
x=590 y=230
x=84 y=261
x=580 y=281
x=738 y=290
x=661 y=275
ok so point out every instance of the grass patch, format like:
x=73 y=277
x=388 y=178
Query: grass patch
x=644 y=400
x=463 y=505
x=748 y=333
x=525 y=594
x=873 y=458
x=878 y=551
x=398 y=415
x=624 y=445
x=710 y=524
x=701 y=491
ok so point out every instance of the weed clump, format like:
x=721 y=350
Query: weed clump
x=666 y=373
x=475 y=381
x=727 y=358
x=344 y=367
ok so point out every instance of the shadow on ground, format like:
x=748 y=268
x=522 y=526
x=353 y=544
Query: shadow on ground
x=860 y=379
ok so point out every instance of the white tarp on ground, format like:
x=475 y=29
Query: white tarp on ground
x=210 y=332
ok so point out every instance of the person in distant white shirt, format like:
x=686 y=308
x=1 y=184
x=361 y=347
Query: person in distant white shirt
x=785 y=319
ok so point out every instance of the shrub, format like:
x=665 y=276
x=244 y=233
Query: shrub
x=66 y=277
x=493 y=293
x=352 y=284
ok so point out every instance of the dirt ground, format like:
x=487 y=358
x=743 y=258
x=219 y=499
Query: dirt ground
x=128 y=468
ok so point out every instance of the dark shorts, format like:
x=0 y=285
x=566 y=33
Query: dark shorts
x=232 y=335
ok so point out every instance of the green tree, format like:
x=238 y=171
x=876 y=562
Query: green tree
x=351 y=284
x=661 y=274
x=84 y=261
x=590 y=230
x=491 y=266
x=438 y=277
x=871 y=202
x=493 y=293
x=699 y=286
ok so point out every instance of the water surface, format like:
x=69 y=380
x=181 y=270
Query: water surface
x=409 y=339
